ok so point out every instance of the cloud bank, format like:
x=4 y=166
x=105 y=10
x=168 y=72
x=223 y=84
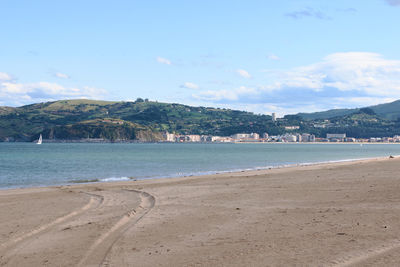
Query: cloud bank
x=17 y=94
x=338 y=80
x=5 y=77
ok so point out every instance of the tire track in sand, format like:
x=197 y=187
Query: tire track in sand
x=97 y=253
x=7 y=247
x=357 y=258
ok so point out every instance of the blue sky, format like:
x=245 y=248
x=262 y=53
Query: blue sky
x=283 y=56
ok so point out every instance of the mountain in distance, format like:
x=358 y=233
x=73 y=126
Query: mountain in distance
x=145 y=121
x=141 y=120
x=390 y=111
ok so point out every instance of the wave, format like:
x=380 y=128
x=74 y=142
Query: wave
x=109 y=179
x=116 y=179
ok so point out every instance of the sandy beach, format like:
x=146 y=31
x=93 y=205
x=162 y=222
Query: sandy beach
x=341 y=214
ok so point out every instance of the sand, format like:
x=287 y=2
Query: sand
x=342 y=214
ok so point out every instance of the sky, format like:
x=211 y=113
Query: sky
x=284 y=56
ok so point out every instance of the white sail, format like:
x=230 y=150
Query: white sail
x=39 y=142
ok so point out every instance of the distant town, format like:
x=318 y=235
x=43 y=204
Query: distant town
x=285 y=138
x=265 y=138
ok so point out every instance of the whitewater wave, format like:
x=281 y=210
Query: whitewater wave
x=115 y=179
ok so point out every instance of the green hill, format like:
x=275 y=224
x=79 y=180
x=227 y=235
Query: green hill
x=140 y=120
x=145 y=121
x=389 y=111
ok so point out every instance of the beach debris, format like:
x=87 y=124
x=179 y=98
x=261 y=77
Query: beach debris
x=237 y=208
x=341 y=234
x=391 y=157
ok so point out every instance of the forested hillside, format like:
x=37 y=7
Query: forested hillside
x=144 y=120
x=74 y=119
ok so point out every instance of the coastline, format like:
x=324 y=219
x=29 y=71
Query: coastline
x=199 y=174
x=106 y=141
x=323 y=214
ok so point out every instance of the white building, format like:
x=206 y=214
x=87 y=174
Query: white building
x=193 y=138
x=337 y=136
x=169 y=137
x=291 y=138
x=240 y=136
x=305 y=137
x=288 y=138
x=244 y=137
x=221 y=139
x=274 y=117
x=254 y=136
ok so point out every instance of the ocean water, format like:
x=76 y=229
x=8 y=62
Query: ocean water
x=28 y=164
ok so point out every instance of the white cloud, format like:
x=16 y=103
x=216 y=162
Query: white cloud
x=368 y=73
x=222 y=95
x=163 y=61
x=244 y=74
x=15 y=94
x=5 y=77
x=61 y=75
x=350 y=79
x=189 y=85
x=218 y=95
x=273 y=57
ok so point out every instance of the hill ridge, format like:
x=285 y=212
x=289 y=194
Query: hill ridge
x=389 y=110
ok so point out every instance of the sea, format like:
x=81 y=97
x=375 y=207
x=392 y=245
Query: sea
x=48 y=164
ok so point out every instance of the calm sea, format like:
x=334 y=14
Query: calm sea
x=28 y=164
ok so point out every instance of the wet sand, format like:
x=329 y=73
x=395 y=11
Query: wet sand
x=340 y=214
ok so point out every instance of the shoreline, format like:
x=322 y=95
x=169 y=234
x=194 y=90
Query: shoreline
x=316 y=215
x=201 y=174
x=84 y=141
x=222 y=174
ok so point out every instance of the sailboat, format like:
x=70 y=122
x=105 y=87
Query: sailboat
x=39 y=142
